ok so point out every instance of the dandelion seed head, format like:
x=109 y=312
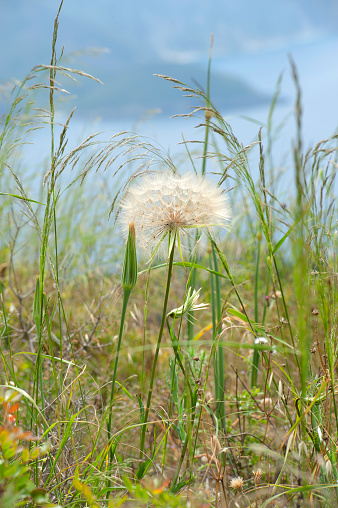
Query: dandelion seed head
x=170 y=203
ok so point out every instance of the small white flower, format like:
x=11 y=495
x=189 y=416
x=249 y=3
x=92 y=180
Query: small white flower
x=165 y=203
x=190 y=304
x=261 y=340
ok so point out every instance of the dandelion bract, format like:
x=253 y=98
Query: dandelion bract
x=170 y=203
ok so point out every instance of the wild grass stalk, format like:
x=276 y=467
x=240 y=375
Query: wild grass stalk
x=255 y=359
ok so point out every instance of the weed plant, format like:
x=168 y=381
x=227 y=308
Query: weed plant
x=118 y=386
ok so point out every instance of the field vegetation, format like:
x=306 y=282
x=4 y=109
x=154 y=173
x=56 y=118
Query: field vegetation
x=197 y=368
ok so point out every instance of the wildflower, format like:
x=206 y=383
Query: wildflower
x=261 y=340
x=167 y=204
x=257 y=474
x=237 y=483
x=190 y=304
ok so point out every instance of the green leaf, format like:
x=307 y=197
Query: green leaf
x=21 y=197
x=282 y=240
x=258 y=327
x=124 y=389
x=39 y=495
x=179 y=486
x=142 y=469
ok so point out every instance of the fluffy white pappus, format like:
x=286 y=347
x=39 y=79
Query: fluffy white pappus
x=164 y=203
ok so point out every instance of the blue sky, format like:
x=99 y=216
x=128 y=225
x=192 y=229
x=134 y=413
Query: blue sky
x=125 y=43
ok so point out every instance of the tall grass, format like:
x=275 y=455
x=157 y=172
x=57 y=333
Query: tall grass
x=112 y=397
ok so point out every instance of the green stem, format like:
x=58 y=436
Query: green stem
x=255 y=360
x=164 y=313
x=180 y=462
x=126 y=295
x=206 y=138
x=287 y=317
x=190 y=317
x=219 y=351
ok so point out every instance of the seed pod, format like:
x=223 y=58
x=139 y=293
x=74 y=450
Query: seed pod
x=129 y=270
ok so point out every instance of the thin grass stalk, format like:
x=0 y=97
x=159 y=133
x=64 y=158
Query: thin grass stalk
x=180 y=462
x=189 y=401
x=219 y=354
x=266 y=293
x=5 y=332
x=165 y=440
x=207 y=117
x=214 y=324
x=286 y=312
x=126 y=295
x=164 y=313
x=204 y=163
x=190 y=398
x=255 y=360
x=228 y=272
x=144 y=329
x=190 y=318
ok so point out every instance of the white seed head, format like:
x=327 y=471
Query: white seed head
x=328 y=467
x=261 y=340
x=165 y=203
x=237 y=483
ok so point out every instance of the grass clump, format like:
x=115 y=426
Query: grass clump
x=205 y=377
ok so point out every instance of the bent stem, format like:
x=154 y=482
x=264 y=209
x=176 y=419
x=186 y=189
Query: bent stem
x=164 y=313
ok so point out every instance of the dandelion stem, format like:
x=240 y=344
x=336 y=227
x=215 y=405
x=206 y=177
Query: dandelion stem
x=164 y=313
